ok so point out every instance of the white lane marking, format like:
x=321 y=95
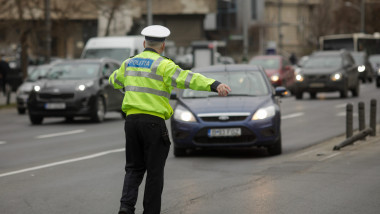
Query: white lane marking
x=292 y=115
x=305 y=153
x=343 y=114
x=330 y=156
x=62 y=162
x=2 y=142
x=61 y=134
x=343 y=105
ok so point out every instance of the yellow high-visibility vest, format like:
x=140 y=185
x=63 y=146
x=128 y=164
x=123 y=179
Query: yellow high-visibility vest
x=148 y=80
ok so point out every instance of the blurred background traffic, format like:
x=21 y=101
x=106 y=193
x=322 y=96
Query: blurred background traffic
x=278 y=35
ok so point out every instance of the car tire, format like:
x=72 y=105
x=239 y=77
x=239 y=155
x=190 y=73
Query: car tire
x=21 y=110
x=378 y=83
x=313 y=95
x=179 y=152
x=344 y=91
x=299 y=95
x=355 y=91
x=99 y=110
x=36 y=120
x=275 y=149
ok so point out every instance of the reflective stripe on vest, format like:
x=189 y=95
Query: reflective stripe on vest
x=117 y=81
x=148 y=90
x=188 y=79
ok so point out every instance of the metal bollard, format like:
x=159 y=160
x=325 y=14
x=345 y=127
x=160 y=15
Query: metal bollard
x=372 y=119
x=361 y=117
x=349 y=120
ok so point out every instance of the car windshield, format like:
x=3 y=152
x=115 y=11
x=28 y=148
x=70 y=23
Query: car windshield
x=359 y=59
x=119 y=54
x=242 y=83
x=266 y=63
x=323 y=62
x=74 y=71
x=37 y=73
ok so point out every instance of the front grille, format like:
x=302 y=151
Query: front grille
x=223 y=119
x=56 y=96
x=317 y=77
x=246 y=136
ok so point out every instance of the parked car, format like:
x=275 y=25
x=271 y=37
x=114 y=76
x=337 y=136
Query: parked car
x=375 y=61
x=25 y=88
x=75 y=88
x=327 y=71
x=248 y=117
x=278 y=69
x=363 y=66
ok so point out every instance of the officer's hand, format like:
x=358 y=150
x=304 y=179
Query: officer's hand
x=223 y=90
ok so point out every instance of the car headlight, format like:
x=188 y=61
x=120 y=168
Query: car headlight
x=264 y=113
x=299 y=77
x=336 y=77
x=378 y=71
x=275 y=78
x=37 y=88
x=84 y=86
x=182 y=114
x=361 y=68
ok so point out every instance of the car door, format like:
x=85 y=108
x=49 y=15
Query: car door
x=113 y=96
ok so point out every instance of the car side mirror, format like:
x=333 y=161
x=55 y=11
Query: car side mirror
x=280 y=91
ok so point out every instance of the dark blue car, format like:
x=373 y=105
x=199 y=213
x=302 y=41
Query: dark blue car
x=248 y=117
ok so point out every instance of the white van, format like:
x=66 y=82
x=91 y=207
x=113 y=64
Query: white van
x=118 y=48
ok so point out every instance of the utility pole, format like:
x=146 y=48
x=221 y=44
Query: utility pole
x=279 y=25
x=362 y=16
x=245 y=30
x=48 y=31
x=149 y=12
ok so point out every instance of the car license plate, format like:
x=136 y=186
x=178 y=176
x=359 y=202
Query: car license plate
x=231 y=132
x=55 y=105
x=317 y=85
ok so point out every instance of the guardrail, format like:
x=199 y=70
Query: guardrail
x=363 y=131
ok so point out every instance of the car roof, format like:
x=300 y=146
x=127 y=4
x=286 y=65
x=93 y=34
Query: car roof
x=229 y=67
x=328 y=53
x=91 y=60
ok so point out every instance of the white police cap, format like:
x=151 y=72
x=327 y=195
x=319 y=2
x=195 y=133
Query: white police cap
x=155 y=33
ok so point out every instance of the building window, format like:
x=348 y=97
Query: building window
x=226 y=18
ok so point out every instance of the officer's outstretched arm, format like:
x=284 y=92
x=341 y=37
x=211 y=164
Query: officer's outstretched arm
x=117 y=78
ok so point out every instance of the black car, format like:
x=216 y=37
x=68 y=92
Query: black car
x=364 y=66
x=75 y=88
x=375 y=61
x=328 y=71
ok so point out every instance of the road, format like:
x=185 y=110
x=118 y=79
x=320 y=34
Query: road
x=76 y=167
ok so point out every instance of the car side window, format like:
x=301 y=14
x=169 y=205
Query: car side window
x=108 y=68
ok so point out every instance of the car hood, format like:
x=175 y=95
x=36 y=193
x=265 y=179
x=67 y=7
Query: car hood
x=320 y=70
x=64 y=85
x=271 y=72
x=26 y=86
x=225 y=104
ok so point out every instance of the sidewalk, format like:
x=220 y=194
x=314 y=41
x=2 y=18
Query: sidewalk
x=3 y=99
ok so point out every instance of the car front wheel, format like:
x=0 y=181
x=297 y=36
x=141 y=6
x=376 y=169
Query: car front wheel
x=99 y=110
x=179 y=152
x=21 y=110
x=36 y=120
x=275 y=149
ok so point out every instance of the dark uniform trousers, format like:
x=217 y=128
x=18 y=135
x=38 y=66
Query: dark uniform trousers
x=146 y=150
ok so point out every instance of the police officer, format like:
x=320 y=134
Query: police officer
x=148 y=79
